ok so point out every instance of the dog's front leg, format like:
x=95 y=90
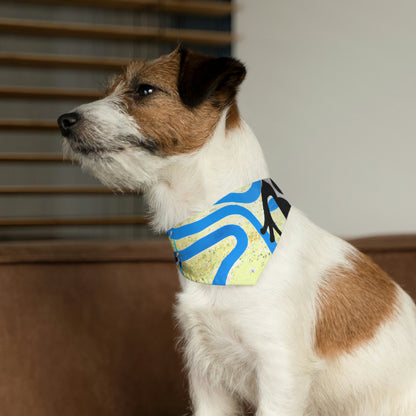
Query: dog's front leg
x=283 y=388
x=209 y=399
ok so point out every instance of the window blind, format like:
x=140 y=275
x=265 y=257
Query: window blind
x=55 y=55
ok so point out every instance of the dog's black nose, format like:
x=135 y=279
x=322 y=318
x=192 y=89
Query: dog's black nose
x=67 y=121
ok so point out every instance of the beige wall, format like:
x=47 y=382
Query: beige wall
x=331 y=95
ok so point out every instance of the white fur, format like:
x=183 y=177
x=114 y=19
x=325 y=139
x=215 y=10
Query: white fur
x=256 y=343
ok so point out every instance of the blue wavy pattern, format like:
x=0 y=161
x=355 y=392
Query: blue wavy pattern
x=272 y=204
x=250 y=195
x=197 y=226
x=214 y=238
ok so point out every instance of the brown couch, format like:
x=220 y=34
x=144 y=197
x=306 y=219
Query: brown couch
x=86 y=328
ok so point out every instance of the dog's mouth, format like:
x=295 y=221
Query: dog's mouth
x=78 y=145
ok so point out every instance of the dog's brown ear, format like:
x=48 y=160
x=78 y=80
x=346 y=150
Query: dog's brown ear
x=202 y=77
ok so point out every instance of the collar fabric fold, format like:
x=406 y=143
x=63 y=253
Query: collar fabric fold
x=231 y=242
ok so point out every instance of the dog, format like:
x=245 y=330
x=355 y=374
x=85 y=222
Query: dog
x=323 y=331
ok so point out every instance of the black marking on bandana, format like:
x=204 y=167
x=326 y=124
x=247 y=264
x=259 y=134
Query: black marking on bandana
x=274 y=184
x=267 y=190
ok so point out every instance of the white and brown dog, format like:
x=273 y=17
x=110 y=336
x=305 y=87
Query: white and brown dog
x=324 y=331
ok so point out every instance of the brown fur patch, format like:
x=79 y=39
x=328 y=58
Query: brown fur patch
x=353 y=303
x=162 y=117
x=233 y=116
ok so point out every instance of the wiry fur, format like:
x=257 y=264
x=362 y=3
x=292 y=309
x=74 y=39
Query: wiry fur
x=257 y=344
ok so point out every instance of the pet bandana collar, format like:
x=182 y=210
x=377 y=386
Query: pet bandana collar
x=231 y=242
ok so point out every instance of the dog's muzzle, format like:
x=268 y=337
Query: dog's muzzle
x=67 y=123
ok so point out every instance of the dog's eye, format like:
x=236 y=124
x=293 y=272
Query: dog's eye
x=143 y=90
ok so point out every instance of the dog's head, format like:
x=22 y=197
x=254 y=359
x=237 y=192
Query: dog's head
x=153 y=112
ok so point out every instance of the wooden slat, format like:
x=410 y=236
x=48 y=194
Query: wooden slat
x=53 y=221
x=80 y=251
x=55 y=61
x=61 y=29
x=48 y=93
x=58 y=190
x=32 y=157
x=383 y=243
x=28 y=125
x=202 y=8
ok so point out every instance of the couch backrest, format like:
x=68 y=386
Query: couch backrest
x=86 y=329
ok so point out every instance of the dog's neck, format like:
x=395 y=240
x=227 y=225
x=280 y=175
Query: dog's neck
x=191 y=183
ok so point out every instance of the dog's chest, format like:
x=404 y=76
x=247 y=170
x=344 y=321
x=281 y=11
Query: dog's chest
x=214 y=343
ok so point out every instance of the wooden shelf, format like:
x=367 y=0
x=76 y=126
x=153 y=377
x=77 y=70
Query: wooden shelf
x=60 y=190
x=28 y=125
x=49 y=93
x=63 y=29
x=202 y=8
x=56 y=61
x=32 y=157
x=80 y=251
x=68 y=221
